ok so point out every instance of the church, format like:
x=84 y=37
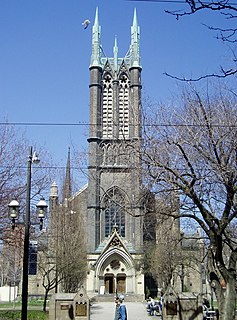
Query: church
x=114 y=207
x=112 y=201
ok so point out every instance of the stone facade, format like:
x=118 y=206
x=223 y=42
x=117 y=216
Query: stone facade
x=111 y=203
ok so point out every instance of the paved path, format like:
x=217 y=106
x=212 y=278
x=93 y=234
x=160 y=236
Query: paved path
x=106 y=310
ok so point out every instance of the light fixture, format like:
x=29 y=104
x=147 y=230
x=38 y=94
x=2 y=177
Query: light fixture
x=41 y=211
x=14 y=211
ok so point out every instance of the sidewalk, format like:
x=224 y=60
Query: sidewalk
x=106 y=310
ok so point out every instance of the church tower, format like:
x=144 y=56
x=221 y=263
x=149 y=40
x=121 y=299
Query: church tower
x=114 y=210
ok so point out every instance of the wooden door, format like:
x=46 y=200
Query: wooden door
x=121 y=284
x=109 y=283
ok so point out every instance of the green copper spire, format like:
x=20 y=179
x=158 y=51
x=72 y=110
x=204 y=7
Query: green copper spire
x=135 y=42
x=95 y=57
x=115 y=54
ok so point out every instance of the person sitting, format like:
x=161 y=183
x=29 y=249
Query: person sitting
x=151 y=306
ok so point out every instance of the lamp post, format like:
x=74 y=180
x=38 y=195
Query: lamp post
x=14 y=211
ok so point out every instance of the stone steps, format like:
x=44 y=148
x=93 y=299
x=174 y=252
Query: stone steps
x=110 y=298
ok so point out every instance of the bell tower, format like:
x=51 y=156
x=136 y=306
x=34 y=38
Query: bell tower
x=114 y=187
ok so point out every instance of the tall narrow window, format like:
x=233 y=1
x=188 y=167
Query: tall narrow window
x=114 y=211
x=123 y=107
x=107 y=107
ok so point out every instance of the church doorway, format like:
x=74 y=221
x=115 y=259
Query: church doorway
x=109 y=283
x=121 y=283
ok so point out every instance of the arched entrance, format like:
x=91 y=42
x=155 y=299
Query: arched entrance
x=109 y=283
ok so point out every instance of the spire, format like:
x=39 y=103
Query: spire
x=115 y=54
x=135 y=42
x=95 y=56
x=135 y=24
x=67 y=190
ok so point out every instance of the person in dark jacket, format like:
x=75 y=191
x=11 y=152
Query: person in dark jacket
x=122 y=311
x=117 y=302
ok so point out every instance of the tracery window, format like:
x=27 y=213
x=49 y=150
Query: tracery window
x=107 y=113
x=123 y=107
x=114 y=211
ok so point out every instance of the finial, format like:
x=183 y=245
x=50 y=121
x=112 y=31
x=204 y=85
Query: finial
x=135 y=42
x=135 y=24
x=96 y=48
x=96 y=23
x=115 y=54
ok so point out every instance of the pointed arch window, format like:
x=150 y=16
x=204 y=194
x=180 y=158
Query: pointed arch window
x=123 y=106
x=107 y=113
x=115 y=211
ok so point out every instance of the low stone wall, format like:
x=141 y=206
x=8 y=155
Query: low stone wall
x=68 y=306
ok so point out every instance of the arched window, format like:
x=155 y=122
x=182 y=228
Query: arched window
x=123 y=106
x=114 y=211
x=107 y=113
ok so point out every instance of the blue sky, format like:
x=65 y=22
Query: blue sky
x=45 y=56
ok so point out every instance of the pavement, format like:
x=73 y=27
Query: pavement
x=106 y=311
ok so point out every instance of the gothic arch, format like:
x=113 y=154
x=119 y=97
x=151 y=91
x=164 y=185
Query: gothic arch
x=114 y=203
x=107 y=105
x=123 y=105
x=108 y=256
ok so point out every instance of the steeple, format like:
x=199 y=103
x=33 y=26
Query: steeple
x=115 y=54
x=67 y=188
x=135 y=42
x=96 y=51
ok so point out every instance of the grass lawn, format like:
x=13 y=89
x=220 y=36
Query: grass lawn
x=16 y=315
x=12 y=310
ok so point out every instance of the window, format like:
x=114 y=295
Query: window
x=114 y=211
x=107 y=107
x=123 y=107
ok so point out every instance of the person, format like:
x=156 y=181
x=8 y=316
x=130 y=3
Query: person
x=117 y=301
x=122 y=311
x=121 y=297
x=150 y=306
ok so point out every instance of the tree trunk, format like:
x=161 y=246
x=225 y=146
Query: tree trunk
x=45 y=300
x=230 y=301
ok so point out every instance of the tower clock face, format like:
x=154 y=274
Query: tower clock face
x=115 y=264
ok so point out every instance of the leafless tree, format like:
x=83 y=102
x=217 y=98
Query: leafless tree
x=192 y=152
x=14 y=151
x=226 y=33
x=67 y=245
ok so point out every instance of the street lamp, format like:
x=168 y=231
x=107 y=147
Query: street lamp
x=14 y=212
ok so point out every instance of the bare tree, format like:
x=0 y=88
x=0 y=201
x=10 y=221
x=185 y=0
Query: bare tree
x=48 y=271
x=67 y=245
x=13 y=178
x=192 y=152
x=225 y=33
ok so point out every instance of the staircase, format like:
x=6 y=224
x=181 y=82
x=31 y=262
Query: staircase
x=129 y=297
